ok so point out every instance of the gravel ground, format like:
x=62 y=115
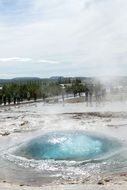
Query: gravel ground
x=68 y=187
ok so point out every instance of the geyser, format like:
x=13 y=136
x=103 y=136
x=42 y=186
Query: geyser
x=67 y=145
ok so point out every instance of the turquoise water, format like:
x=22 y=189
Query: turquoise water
x=70 y=145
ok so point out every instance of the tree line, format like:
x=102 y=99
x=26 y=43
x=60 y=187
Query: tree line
x=16 y=92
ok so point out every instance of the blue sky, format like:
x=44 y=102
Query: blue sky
x=63 y=37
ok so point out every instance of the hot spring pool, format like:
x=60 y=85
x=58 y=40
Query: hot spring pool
x=69 y=145
x=62 y=155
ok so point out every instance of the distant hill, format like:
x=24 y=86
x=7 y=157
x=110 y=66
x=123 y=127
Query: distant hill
x=56 y=77
x=25 y=78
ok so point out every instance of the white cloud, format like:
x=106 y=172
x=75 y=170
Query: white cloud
x=16 y=59
x=21 y=59
x=48 y=61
